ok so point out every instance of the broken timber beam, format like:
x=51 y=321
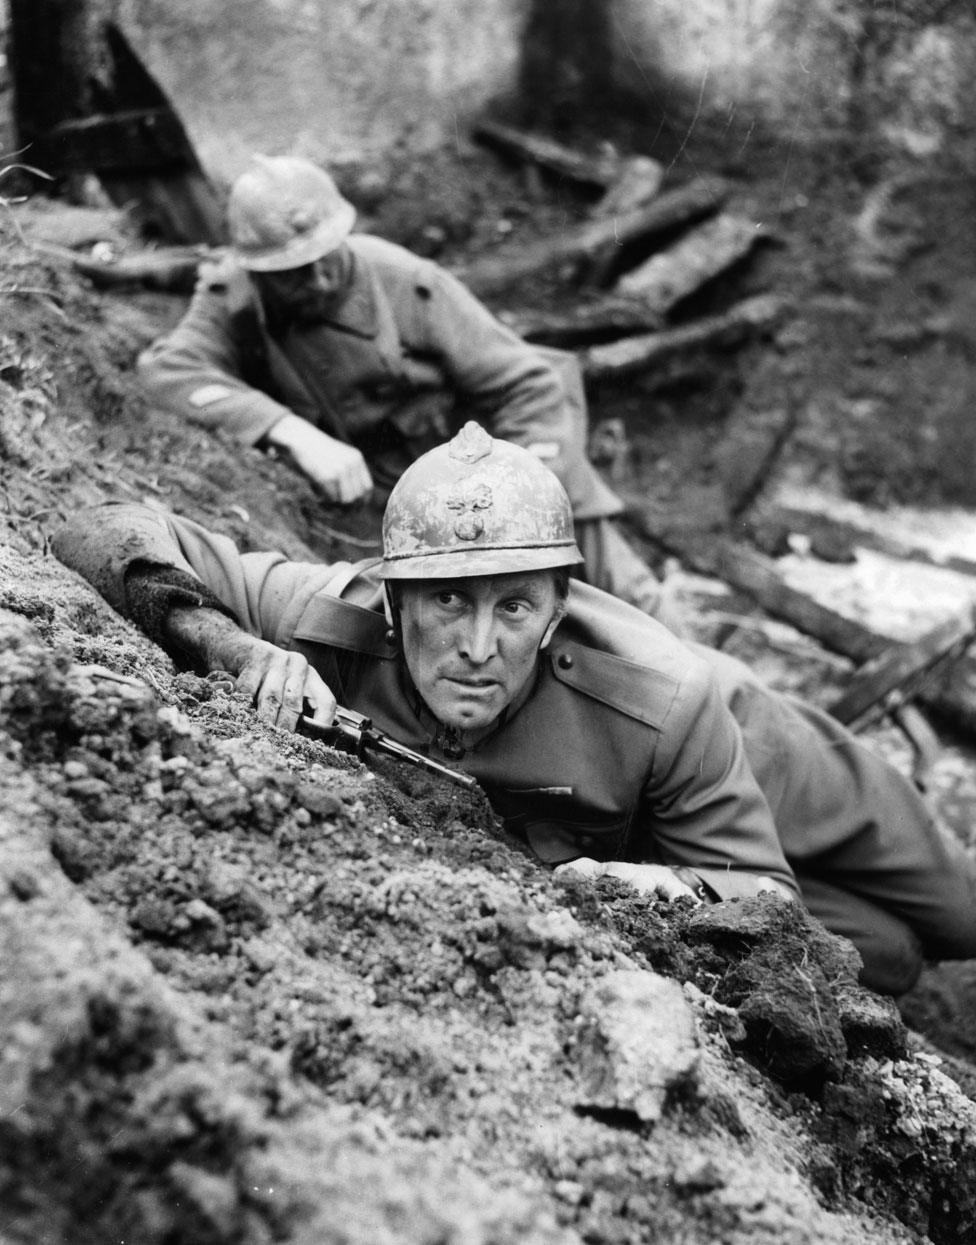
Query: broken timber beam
x=138 y=138
x=902 y=668
x=629 y=181
x=171 y=269
x=631 y=355
x=602 y=170
x=951 y=694
x=642 y=298
x=829 y=533
x=637 y=182
x=598 y=320
x=758 y=576
x=699 y=255
x=588 y=241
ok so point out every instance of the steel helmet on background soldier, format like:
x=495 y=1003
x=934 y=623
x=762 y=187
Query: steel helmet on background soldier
x=286 y=212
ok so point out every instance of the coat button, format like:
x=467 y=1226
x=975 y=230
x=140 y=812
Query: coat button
x=564 y=661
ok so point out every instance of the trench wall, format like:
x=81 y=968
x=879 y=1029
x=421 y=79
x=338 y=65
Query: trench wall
x=349 y=79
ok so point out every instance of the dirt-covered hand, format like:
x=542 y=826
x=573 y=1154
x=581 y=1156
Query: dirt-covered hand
x=648 y=879
x=338 y=469
x=283 y=686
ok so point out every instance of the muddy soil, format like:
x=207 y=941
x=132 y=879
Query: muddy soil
x=253 y=991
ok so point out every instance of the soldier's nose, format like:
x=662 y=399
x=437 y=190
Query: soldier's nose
x=478 y=642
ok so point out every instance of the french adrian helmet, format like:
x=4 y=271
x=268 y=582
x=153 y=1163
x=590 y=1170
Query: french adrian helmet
x=286 y=212
x=476 y=506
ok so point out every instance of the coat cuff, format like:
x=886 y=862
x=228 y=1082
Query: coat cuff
x=152 y=592
x=733 y=884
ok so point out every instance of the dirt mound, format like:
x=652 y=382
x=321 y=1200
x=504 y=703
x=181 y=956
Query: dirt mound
x=253 y=991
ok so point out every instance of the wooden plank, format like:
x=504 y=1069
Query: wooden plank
x=902 y=667
x=571 y=248
x=637 y=182
x=642 y=299
x=698 y=256
x=136 y=140
x=828 y=533
x=617 y=252
x=949 y=692
x=631 y=355
x=173 y=269
x=756 y=575
x=582 y=322
x=600 y=170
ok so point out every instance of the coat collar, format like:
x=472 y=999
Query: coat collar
x=357 y=313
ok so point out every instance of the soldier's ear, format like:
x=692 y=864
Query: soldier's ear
x=558 y=614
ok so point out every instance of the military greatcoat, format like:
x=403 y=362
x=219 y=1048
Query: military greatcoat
x=405 y=358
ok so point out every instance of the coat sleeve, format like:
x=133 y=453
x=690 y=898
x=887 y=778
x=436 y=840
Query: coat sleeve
x=530 y=395
x=197 y=370
x=505 y=381
x=265 y=593
x=702 y=806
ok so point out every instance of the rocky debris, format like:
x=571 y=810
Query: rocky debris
x=906 y=1138
x=794 y=988
x=124 y=1113
x=871 y=1023
x=637 y=1045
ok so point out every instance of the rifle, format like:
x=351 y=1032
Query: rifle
x=353 y=732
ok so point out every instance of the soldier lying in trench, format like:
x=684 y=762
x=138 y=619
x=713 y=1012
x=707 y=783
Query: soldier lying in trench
x=605 y=743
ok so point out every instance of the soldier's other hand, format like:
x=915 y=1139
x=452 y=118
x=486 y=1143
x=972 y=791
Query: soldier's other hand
x=338 y=469
x=283 y=686
x=648 y=879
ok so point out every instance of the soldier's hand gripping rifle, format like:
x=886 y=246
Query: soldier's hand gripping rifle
x=352 y=732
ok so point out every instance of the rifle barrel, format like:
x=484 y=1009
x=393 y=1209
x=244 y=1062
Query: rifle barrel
x=353 y=726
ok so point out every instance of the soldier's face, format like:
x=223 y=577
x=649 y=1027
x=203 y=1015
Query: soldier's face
x=471 y=644
x=305 y=293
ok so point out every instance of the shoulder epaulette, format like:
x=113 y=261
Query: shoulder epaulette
x=632 y=688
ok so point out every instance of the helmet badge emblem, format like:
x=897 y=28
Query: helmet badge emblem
x=469 y=524
x=302 y=220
